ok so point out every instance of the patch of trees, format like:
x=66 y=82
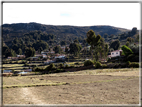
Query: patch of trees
x=75 y=48
x=115 y=45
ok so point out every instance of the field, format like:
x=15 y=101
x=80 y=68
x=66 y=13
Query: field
x=106 y=86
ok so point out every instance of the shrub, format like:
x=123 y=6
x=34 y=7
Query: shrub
x=134 y=65
x=61 y=65
x=128 y=63
x=38 y=69
x=66 y=66
x=60 y=70
x=116 y=65
x=104 y=66
x=50 y=67
x=98 y=65
x=88 y=62
x=76 y=63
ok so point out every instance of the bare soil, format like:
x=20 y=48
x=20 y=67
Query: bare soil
x=80 y=88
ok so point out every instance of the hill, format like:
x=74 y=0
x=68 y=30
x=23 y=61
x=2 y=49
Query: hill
x=19 y=29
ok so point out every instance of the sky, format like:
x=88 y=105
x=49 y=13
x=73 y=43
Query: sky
x=124 y=15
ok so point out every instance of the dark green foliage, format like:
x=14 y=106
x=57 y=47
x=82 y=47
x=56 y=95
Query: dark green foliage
x=76 y=41
x=61 y=65
x=115 y=45
x=134 y=65
x=38 y=69
x=63 y=43
x=98 y=65
x=60 y=70
x=130 y=40
x=19 y=52
x=93 y=40
x=29 y=52
x=133 y=58
x=104 y=65
x=75 y=48
x=57 y=49
x=127 y=44
x=88 y=62
x=66 y=50
x=39 y=44
x=127 y=51
x=128 y=63
x=134 y=48
x=50 y=67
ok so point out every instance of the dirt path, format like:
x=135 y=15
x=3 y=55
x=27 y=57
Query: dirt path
x=29 y=95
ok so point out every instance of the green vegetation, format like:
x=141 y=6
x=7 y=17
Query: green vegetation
x=88 y=62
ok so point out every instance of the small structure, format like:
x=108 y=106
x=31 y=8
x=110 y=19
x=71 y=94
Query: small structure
x=21 y=56
x=115 y=53
x=7 y=71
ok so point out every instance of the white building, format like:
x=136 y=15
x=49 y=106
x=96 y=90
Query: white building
x=115 y=53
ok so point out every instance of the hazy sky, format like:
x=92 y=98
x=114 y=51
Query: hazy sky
x=124 y=15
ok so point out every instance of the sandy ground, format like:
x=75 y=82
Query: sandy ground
x=102 y=88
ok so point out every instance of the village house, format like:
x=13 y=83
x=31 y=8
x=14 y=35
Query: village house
x=21 y=56
x=115 y=53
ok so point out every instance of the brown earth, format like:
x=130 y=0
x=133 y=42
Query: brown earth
x=102 y=88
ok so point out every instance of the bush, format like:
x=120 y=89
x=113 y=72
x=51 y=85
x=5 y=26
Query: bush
x=38 y=69
x=88 y=62
x=50 y=67
x=66 y=66
x=98 y=65
x=128 y=63
x=134 y=65
x=104 y=66
x=60 y=70
x=76 y=63
x=61 y=65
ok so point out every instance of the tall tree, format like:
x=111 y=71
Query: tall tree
x=93 y=40
x=19 y=51
x=57 y=49
x=29 y=52
x=75 y=48
x=115 y=44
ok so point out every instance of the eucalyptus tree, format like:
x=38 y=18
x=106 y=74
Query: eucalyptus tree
x=93 y=40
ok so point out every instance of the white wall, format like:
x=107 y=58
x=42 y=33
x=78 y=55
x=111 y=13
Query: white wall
x=113 y=54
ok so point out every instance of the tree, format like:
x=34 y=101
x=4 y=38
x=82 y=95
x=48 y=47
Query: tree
x=57 y=49
x=76 y=41
x=75 y=48
x=66 y=50
x=106 y=49
x=19 y=51
x=115 y=44
x=93 y=40
x=10 y=52
x=63 y=43
x=127 y=43
x=29 y=52
x=130 y=40
x=127 y=51
x=40 y=49
x=39 y=44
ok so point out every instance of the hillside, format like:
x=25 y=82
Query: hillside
x=19 y=29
